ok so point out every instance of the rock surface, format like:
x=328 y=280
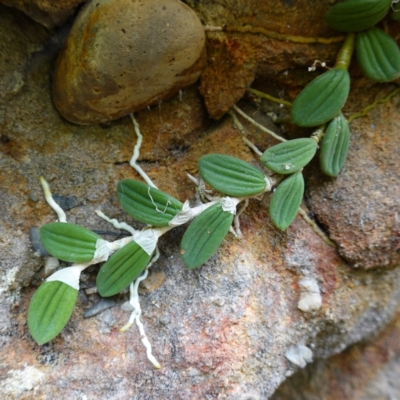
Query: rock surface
x=365 y=371
x=122 y=56
x=221 y=331
x=49 y=13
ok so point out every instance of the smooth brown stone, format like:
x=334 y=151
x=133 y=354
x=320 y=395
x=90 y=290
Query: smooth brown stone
x=122 y=56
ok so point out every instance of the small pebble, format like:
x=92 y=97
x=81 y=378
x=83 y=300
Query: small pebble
x=299 y=355
x=34 y=236
x=50 y=265
x=66 y=202
x=102 y=305
x=34 y=196
x=152 y=282
x=84 y=277
x=91 y=290
x=127 y=307
x=310 y=296
x=82 y=298
x=106 y=321
x=164 y=319
x=219 y=302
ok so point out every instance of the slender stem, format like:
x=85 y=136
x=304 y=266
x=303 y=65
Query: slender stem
x=252 y=146
x=365 y=110
x=346 y=51
x=319 y=133
x=259 y=126
x=316 y=228
x=281 y=36
x=269 y=97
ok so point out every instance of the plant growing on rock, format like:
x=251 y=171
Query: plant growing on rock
x=126 y=261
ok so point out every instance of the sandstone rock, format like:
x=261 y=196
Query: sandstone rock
x=122 y=56
x=361 y=207
x=253 y=43
x=221 y=331
x=365 y=371
x=49 y=13
x=19 y=37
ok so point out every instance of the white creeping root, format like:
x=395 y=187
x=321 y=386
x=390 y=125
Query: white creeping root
x=205 y=195
x=137 y=311
x=49 y=198
x=236 y=220
x=116 y=223
x=136 y=151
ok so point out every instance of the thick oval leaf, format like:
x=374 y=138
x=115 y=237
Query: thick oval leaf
x=286 y=200
x=69 y=242
x=356 y=15
x=204 y=235
x=322 y=99
x=378 y=55
x=231 y=176
x=335 y=145
x=291 y=156
x=146 y=204
x=121 y=269
x=50 y=309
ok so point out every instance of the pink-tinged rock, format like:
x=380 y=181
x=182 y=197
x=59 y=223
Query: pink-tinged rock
x=122 y=56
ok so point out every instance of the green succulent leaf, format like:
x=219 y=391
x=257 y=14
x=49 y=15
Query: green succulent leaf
x=291 y=156
x=231 y=176
x=69 y=242
x=335 y=145
x=147 y=204
x=204 y=235
x=121 y=269
x=378 y=55
x=356 y=15
x=285 y=201
x=322 y=99
x=50 y=309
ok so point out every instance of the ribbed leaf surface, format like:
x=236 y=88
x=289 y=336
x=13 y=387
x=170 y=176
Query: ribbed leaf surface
x=334 y=147
x=146 y=204
x=204 y=235
x=121 y=269
x=286 y=200
x=69 y=242
x=50 y=309
x=356 y=15
x=322 y=99
x=378 y=55
x=288 y=157
x=231 y=176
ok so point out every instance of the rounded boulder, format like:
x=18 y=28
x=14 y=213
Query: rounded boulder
x=124 y=55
